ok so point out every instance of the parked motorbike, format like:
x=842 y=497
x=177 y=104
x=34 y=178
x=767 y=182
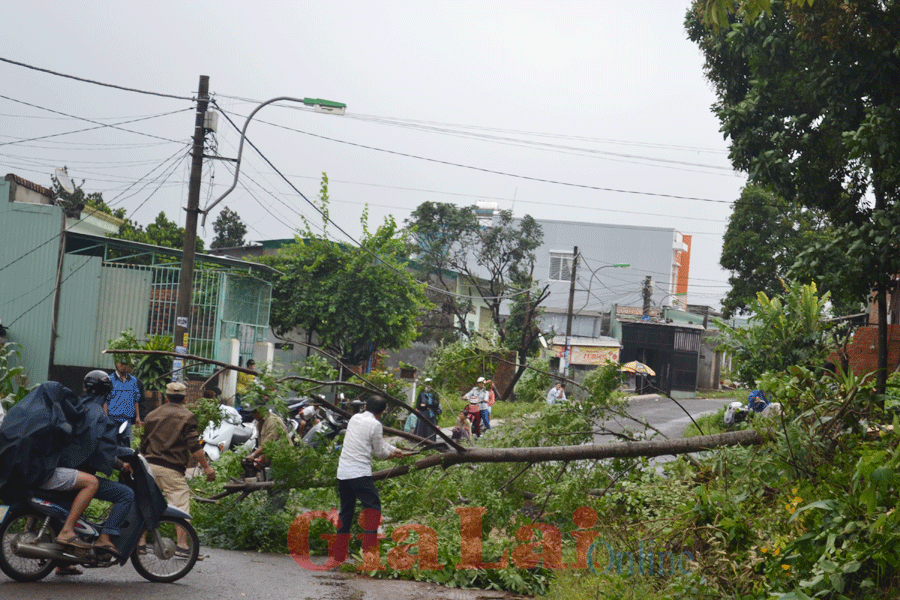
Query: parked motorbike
x=331 y=426
x=28 y=530
x=232 y=433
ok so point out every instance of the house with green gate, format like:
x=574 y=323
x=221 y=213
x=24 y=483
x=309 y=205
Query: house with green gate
x=66 y=289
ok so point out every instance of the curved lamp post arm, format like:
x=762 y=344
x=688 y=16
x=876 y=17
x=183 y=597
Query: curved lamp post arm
x=321 y=105
x=594 y=273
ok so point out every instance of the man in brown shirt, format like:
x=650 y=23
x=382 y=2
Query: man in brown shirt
x=170 y=439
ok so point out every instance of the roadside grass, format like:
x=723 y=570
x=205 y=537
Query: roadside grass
x=709 y=424
x=738 y=394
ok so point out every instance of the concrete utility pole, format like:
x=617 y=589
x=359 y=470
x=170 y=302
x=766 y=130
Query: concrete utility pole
x=186 y=282
x=567 y=355
x=647 y=292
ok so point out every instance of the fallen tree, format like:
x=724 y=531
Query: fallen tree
x=649 y=449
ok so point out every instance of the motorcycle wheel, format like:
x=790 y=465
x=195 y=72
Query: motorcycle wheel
x=24 y=527
x=172 y=566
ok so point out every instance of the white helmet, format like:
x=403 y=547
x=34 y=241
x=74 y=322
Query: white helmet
x=308 y=412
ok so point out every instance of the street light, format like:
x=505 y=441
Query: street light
x=567 y=353
x=322 y=106
x=186 y=279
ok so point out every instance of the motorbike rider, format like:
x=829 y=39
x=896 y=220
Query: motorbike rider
x=57 y=441
x=102 y=454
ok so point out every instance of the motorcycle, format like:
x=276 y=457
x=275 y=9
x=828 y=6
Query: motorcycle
x=28 y=530
x=331 y=426
x=234 y=432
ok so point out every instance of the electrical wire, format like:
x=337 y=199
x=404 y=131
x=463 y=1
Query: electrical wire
x=100 y=125
x=351 y=238
x=93 y=82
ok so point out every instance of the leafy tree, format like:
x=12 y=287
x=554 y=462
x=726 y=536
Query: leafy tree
x=764 y=236
x=354 y=299
x=785 y=330
x=494 y=264
x=808 y=96
x=230 y=230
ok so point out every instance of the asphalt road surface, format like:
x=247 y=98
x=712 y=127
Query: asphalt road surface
x=232 y=575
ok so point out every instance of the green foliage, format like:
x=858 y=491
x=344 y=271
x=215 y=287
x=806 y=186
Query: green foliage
x=387 y=383
x=207 y=411
x=153 y=369
x=12 y=375
x=533 y=385
x=126 y=341
x=785 y=330
x=355 y=299
x=230 y=230
x=764 y=236
x=455 y=367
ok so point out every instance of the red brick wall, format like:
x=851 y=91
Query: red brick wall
x=863 y=350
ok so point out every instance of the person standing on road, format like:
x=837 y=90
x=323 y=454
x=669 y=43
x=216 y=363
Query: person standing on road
x=477 y=399
x=170 y=438
x=363 y=439
x=428 y=404
x=491 y=399
x=123 y=403
x=244 y=381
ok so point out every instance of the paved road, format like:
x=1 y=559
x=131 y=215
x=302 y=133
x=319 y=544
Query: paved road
x=231 y=575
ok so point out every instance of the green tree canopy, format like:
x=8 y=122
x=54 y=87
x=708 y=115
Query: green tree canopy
x=494 y=264
x=355 y=300
x=230 y=230
x=808 y=96
x=764 y=236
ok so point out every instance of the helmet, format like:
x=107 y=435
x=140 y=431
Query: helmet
x=97 y=383
x=309 y=412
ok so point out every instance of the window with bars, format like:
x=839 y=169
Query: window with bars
x=561 y=266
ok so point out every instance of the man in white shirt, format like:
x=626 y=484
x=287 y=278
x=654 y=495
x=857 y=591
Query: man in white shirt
x=556 y=394
x=354 y=473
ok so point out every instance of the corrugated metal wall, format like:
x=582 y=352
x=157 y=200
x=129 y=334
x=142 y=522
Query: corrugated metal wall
x=29 y=244
x=78 y=311
x=124 y=294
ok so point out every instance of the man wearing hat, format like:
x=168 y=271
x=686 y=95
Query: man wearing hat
x=170 y=438
x=428 y=404
x=270 y=427
x=477 y=398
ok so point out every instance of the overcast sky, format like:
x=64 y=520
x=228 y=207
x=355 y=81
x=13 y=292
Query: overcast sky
x=591 y=111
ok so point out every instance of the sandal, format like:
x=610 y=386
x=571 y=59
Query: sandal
x=74 y=541
x=110 y=549
x=69 y=570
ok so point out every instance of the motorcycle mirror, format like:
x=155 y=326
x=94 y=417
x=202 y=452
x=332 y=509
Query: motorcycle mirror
x=123 y=427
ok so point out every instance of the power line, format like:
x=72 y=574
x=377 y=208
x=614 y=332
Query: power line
x=349 y=237
x=93 y=82
x=100 y=125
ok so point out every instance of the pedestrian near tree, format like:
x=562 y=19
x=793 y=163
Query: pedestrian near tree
x=491 y=398
x=123 y=402
x=363 y=439
x=170 y=438
x=477 y=401
x=428 y=403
